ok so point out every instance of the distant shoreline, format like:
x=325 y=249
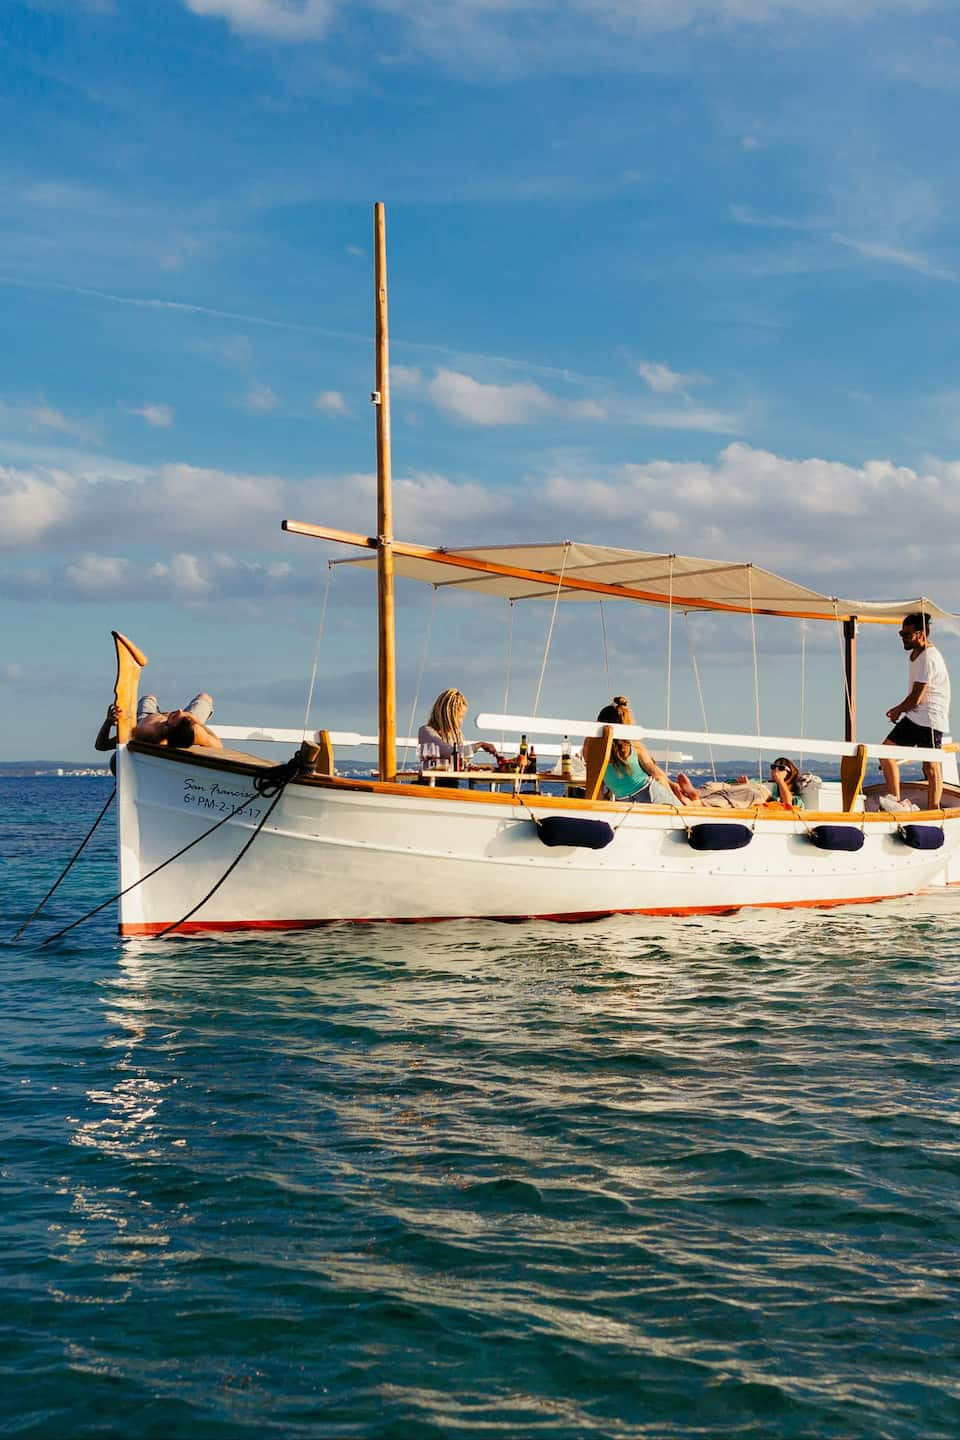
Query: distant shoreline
x=53 y=769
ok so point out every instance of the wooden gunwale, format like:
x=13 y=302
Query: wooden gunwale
x=236 y=763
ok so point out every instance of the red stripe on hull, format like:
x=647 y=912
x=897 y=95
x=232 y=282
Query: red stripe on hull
x=199 y=927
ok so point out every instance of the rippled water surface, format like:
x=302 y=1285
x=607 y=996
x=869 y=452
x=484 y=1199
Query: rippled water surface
x=683 y=1178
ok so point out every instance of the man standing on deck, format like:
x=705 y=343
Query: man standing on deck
x=923 y=714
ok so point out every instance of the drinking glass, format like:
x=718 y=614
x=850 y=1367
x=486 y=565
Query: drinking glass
x=429 y=753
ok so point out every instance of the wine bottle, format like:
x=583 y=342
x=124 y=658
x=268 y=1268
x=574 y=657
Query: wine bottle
x=523 y=753
x=566 y=759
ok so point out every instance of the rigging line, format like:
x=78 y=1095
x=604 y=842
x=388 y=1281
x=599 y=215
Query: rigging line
x=803 y=684
x=316 y=650
x=68 y=867
x=606 y=655
x=696 y=676
x=506 y=682
x=553 y=619
x=423 y=666
x=230 y=868
x=756 y=668
x=666 y=762
x=162 y=866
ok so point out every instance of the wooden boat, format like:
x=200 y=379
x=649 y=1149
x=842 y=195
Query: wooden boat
x=224 y=840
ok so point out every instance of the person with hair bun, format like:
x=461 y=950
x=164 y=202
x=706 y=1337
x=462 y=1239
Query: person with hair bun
x=632 y=773
x=444 y=728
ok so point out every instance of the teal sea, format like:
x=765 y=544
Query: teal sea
x=639 y=1178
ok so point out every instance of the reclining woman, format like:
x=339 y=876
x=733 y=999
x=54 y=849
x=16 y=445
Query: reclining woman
x=744 y=794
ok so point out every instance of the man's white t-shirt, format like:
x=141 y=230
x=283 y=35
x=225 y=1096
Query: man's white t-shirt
x=931 y=670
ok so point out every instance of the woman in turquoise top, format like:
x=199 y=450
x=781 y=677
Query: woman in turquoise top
x=631 y=769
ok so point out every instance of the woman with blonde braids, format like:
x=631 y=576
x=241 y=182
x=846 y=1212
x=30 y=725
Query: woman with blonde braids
x=444 y=729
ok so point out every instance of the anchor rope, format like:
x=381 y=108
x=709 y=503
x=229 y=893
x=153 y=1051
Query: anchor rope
x=233 y=863
x=67 y=868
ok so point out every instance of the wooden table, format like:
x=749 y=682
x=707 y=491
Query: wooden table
x=480 y=775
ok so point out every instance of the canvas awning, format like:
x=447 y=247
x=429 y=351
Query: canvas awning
x=600 y=572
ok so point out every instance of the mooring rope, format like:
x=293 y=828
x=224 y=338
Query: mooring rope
x=231 y=867
x=68 y=867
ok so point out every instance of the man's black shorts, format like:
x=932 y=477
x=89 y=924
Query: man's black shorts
x=908 y=732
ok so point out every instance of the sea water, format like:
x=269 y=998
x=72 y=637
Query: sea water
x=641 y=1178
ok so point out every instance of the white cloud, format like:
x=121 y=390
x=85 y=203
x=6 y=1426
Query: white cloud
x=185 y=579
x=746 y=215
x=891 y=255
x=331 y=402
x=45 y=417
x=33 y=504
x=405 y=377
x=713 y=422
x=260 y=398
x=523 y=403
x=287 y=20
x=159 y=416
x=180 y=506
x=205 y=536
x=479 y=404
x=664 y=381
x=97 y=575
x=754 y=504
x=505 y=34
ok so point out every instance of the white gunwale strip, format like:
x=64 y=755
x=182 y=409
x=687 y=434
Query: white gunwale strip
x=541 y=725
x=353 y=738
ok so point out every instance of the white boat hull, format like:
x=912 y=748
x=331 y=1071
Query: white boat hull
x=405 y=853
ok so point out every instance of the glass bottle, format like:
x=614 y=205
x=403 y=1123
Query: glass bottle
x=566 y=759
x=523 y=753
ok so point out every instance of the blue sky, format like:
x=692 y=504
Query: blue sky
x=674 y=274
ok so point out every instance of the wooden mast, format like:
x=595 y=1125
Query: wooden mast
x=386 y=651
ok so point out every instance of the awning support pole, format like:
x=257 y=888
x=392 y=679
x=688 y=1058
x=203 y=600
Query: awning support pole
x=850 y=678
